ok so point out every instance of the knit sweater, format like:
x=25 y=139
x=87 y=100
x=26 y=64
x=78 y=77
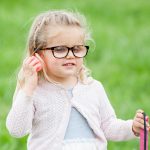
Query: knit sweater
x=45 y=115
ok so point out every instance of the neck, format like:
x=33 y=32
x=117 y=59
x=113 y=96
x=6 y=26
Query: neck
x=68 y=82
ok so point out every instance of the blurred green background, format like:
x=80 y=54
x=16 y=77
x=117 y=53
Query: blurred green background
x=121 y=30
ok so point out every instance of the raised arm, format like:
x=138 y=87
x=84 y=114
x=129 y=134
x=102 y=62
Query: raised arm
x=19 y=119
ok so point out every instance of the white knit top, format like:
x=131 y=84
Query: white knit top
x=45 y=115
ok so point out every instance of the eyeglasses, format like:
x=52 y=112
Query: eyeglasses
x=78 y=51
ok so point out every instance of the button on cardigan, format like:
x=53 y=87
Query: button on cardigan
x=45 y=115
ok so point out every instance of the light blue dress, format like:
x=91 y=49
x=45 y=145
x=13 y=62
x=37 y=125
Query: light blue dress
x=78 y=126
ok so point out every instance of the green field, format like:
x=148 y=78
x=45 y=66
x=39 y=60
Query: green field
x=121 y=30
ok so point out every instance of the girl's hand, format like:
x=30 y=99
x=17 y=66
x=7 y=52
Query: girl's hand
x=138 y=123
x=28 y=77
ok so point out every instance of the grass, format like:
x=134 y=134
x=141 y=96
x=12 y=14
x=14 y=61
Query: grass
x=120 y=61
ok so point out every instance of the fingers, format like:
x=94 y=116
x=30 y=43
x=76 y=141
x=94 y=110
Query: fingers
x=27 y=60
x=139 y=115
x=38 y=67
x=33 y=63
x=139 y=121
x=39 y=58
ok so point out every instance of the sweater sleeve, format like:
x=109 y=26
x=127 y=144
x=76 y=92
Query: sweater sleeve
x=19 y=119
x=114 y=129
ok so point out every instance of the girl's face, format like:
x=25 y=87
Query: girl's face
x=64 y=68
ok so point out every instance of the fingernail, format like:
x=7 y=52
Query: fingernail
x=39 y=68
x=147 y=118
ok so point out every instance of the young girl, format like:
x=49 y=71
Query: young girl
x=56 y=102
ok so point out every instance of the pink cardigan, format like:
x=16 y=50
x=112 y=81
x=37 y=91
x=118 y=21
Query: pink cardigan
x=45 y=115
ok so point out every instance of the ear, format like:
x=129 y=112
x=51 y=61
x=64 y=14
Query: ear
x=41 y=54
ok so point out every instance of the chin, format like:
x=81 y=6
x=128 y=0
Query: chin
x=70 y=73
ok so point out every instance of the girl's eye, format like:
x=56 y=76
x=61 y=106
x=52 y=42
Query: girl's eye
x=77 y=49
x=60 y=49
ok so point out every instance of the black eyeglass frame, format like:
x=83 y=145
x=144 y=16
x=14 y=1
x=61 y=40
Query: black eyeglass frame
x=69 y=49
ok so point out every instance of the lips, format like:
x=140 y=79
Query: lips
x=69 y=64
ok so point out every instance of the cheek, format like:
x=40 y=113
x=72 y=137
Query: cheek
x=53 y=64
x=79 y=62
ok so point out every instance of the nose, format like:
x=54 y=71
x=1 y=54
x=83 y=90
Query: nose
x=70 y=54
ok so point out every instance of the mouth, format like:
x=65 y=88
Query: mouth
x=69 y=64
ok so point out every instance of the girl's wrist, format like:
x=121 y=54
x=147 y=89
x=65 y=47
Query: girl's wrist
x=27 y=91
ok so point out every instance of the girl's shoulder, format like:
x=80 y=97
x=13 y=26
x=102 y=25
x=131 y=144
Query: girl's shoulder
x=96 y=84
x=98 y=87
x=43 y=88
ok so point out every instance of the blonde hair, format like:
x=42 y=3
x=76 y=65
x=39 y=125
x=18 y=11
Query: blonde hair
x=37 y=36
